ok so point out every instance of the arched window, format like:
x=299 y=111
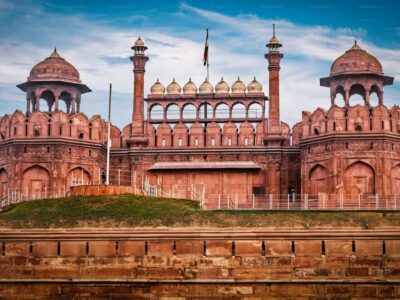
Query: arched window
x=156 y=112
x=357 y=95
x=239 y=111
x=222 y=111
x=205 y=111
x=173 y=112
x=255 y=111
x=373 y=96
x=189 y=111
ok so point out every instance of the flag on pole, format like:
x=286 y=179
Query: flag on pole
x=205 y=57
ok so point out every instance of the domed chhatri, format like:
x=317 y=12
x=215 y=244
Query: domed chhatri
x=238 y=87
x=254 y=87
x=356 y=60
x=173 y=88
x=206 y=87
x=157 y=88
x=54 y=68
x=190 y=88
x=222 y=87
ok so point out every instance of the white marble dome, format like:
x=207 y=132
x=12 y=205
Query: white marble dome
x=222 y=87
x=206 y=87
x=157 y=88
x=254 y=87
x=190 y=88
x=173 y=88
x=238 y=87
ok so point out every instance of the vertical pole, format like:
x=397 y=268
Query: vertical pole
x=359 y=201
x=219 y=201
x=45 y=192
x=108 y=138
x=119 y=176
x=376 y=201
x=306 y=201
x=270 y=201
x=253 y=198
x=288 y=201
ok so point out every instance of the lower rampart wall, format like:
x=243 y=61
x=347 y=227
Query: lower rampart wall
x=153 y=264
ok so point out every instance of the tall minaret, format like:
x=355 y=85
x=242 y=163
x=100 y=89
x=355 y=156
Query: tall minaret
x=274 y=59
x=139 y=62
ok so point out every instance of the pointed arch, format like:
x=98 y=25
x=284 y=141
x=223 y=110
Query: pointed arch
x=78 y=176
x=319 y=179
x=35 y=180
x=3 y=182
x=360 y=176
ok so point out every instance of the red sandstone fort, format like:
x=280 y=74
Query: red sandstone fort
x=217 y=143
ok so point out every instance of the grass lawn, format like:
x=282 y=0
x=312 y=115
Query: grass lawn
x=137 y=211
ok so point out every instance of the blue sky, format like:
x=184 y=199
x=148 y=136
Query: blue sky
x=96 y=37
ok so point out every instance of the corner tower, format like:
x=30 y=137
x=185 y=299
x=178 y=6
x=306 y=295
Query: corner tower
x=139 y=60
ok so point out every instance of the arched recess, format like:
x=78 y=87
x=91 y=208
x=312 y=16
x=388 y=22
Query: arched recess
x=35 y=181
x=357 y=95
x=78 y=176
x=339 y=96
x=66 y=102
x=395 y=177
x=3 y=182
x=319 y=177
x=173 y=112
x=255 y=110
x=49 y=97
x=373 y=95
x=189 y=111
x=239 y=110
x=360 y=177
x=156 y=112
x=205 y=111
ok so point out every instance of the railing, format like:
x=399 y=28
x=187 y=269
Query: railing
x=301 y=202
x=19 y=195
x=174 y=191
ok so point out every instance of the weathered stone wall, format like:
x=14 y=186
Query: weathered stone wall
x=152 y=264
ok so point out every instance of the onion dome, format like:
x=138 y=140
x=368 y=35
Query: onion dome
x=190 y=88
x=206 y=87
x=222 y=87
x=139 y=42
x=173 y=88
x=238 y=87
x=356 y=61
x=254 y=87
x=54 y=68
x=157 y=88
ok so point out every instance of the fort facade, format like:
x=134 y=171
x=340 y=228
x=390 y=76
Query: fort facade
x=223 y=143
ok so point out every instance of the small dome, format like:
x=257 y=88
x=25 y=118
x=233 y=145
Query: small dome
x=206 y=87
x=238 y=86
x=254 y=87
x=157 y=88
x=54 y=68
x=173 y=88
x=222 y=87
x=190 y=87
x=356 y=61
x=139 y=42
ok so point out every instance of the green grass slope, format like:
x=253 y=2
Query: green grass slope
x=136 y=211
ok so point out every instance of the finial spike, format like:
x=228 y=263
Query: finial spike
x=273 y=29
x=55 y=49
x=355 y=42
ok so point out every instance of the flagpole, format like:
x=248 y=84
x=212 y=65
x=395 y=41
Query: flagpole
x=108 y=138
x=208 y=65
